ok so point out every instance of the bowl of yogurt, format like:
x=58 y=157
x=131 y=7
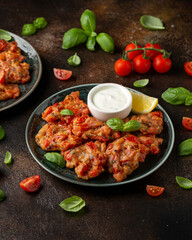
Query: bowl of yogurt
x=109 y=100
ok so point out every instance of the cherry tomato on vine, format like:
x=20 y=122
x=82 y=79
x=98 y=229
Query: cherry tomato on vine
x=123 y=67
x=141 y=65
x=161 y=64
x=152 y=53
x=31 y=184
x=187 y=123
x=132 y=55
x=62 y=74
x=188 y=68
x=154 y=191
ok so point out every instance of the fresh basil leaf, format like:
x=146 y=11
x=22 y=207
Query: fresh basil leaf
x=106 y=42
x=91 y=41
x=88 y=21
x=67 y=112
x=131 y=126
x=184 y=182
x=2 y=195
x=40 y=22
x=28 y=29
x=93 y=34
x=141 y=83
x=2 y=133
x=185 y=147
x=72 y=204
x=5 y=35
x=73 y=37
x=115 y=124
x=176 y=96
x=55 y=158
x=151 y=22
x=74 y=60
x=8 y=158
x=188 y=100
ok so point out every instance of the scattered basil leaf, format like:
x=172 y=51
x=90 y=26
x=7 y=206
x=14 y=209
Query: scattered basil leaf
x=184 y=182
x=73 y=37
x=141 y=83
x=91 y=41
x=2 y=133
x=72 y=204
x=5 y=35
x=40 y=22
x=67 y=112
x=74 y=60
x=88 y=21
x=177 y=96
x=115 y=124
x=8 y=158
x=185 y=147
x=106 y=42
x=131 y=126
x=151 y=22
x=28 y=29
x=55 y=158
x=2 y=195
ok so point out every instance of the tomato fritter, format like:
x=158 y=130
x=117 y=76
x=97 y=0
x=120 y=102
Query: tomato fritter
x=88 y=159
x=71 y=102
x=57 y=137
x=8 y=91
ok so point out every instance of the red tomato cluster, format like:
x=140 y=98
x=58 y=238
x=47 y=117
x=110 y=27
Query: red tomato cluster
x=142 y=61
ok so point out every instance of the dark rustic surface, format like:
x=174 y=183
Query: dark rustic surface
x=124 y=212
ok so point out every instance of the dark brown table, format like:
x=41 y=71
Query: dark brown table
x=123 y=212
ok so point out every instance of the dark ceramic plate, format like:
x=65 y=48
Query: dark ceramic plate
x=151 y=163
x=35 y=70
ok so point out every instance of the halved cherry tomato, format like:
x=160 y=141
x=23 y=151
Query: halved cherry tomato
x=62 y=74
x=188 y=68
x=152 y=53
x=2 y=76
x=31 y=184
x=132 y=55
x=123 y=67
x=154 y=190
x=161 y=64
x=141 y=65
x=187 y=123
x=3 y=45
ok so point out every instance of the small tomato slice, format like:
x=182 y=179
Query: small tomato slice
x=62 y=74
x=154 y=191
x=188 y=68
x=187 y=123
x=31 y=184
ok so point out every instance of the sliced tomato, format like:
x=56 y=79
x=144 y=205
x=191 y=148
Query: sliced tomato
x=62 y=74
x=187 y=123
x=2 y=76
x=31 y=184
x=154 y=190
x=188 y=68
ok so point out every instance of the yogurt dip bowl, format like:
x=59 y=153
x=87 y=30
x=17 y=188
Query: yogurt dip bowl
x=109 y=100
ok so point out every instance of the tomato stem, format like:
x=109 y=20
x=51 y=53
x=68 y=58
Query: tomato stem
x=165 y=54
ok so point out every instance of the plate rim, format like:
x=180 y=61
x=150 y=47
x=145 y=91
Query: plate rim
x=87 y=184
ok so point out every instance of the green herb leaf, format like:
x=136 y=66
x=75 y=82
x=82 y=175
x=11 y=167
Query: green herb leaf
x=5 y=35
x=72 y=204
x=88 y=21
x=131 y=126
x=188 y=101
x=91 y=41
x=2 y=133
x=106 y=42
x=40 y=22
x=2 y=195
x=28 y=29
x=73 y=37
x=74 y=60
x=115 y=124
x=8 y=158
x=184 y=182
x=141 y=83
x=55 y=158
x=67 y=112
x=185 y=147
x=151 y=22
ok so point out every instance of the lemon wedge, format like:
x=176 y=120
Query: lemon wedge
x=142 y=103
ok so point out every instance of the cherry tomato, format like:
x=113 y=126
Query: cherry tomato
x=154 y=190
x=141 y=65
x=132 y=55
x=3 y=45
x=31 y=184
x=188 y=68
x=123 y=67
x=161 y=64
x=187 y=123
x=152 y=53
x=62 y=74
x=2 y=76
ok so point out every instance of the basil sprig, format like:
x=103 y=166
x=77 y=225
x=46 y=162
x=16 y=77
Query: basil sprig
x=74 y=60
x=185 y=147
x=141 y=83
x=106 y=42
x=151 y=22
x=8 y=158
x=73 y=37
x=55 y=158
x=177 y=96
x=5 y=35
x=184 y=182
x=2 y=133
x=72 y=204
x=118 y=125
x=67 y=112
x=88 y=21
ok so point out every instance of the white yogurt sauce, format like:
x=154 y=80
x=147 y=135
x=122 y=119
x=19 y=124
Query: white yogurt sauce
x=109 y=99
